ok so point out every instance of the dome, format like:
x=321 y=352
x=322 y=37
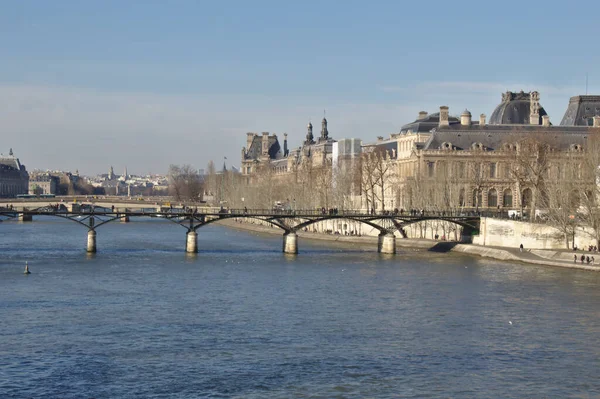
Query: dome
x=515 y=109
x=466 y=112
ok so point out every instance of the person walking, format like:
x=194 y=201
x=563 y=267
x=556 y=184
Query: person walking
x=575 y=258
x=521 y=248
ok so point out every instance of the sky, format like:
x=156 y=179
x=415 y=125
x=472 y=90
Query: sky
x=86 y=85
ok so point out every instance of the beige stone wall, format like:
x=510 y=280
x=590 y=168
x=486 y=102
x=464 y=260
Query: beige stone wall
x=509 y=233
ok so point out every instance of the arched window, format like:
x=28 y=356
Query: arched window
x=492 y=198
x=526 y=198
x=507 y=200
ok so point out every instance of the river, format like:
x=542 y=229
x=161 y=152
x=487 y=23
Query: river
x=141 y=319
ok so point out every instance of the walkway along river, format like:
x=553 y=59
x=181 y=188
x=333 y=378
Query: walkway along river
x=536 y=257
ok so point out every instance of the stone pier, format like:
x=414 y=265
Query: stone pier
x=124 y=218
x=290 y=243
x=191 y=244
x=91 y=241
x=23 y=217
x=386 y=243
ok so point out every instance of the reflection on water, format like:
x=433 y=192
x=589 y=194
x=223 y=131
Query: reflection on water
x=240 y=319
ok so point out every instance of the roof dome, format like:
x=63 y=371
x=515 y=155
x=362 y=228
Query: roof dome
x=466 y=112
x=515 y=108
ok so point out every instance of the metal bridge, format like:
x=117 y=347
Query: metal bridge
x=291 y=222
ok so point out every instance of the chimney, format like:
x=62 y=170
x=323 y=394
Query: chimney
x=596 y=121
x=265 y=143
x=285 y=148
x=444 y=116
x=482 y=120
x=534 y=119
x=545 y=121
x=465 y=118
x=422 y=115
x=534 y=108
x=249 y=137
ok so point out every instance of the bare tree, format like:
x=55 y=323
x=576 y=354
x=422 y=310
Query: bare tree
x=530 y=162
x=185 y=184
x=376 y=168
x=589 y=168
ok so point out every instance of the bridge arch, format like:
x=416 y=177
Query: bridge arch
x=368 y=222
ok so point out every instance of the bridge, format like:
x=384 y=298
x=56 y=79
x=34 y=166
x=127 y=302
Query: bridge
x=93 y=216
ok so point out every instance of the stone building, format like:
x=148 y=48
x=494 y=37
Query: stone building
x=43 y=183
x=457 y=162
x=14 y=179
x=265 y=150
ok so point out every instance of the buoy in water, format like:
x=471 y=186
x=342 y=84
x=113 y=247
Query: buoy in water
x=26 y=269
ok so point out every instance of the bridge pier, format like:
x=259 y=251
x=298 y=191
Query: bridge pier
x=191 y=244
x=124 y=218
x=91 y=241
x=290 y=243
x=386 y=243
x=23 y=217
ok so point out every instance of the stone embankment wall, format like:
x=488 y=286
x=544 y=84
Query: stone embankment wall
x=511 y=233
x=428 y=229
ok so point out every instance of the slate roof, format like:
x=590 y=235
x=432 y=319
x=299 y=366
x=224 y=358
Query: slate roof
x=426 y=124
x=493 y=136
x=255 y=149
x=514 y=109
x=10 y=162
x=581 y=111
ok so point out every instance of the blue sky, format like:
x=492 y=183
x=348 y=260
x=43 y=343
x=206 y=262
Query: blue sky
x=84 y=85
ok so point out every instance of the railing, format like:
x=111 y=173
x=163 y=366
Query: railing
x=61 y=208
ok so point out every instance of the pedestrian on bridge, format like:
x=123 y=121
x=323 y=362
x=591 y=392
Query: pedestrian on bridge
x=521 y=247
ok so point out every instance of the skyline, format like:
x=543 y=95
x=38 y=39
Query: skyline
x=84 y=86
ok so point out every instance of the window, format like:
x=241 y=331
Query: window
x=492 y=198
x=430 y=169
x=461 y=170
x=476 y=170
x=492 y=170
x=461 y=197
x=507 y=199
x=507 y=171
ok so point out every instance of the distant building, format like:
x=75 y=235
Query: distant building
x=14 y=179
x=43 y=183
x=265 y=151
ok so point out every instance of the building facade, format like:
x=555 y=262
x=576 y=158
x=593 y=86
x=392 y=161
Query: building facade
x=447 y=162
x=14 y=179
x=43 y=183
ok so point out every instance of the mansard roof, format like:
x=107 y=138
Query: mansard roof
x=426 y=124
x=255 y=149
x=492 y=137
x=581 y=111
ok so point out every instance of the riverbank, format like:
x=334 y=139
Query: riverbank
x=537 y=257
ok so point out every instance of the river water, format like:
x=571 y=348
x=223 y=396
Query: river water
x=141 y=319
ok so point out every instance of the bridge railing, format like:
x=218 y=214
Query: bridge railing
x=411 y=213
